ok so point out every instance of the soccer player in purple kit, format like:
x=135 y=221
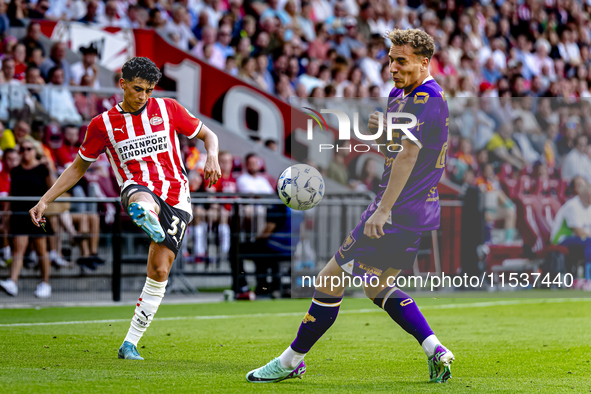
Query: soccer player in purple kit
x=386 y=240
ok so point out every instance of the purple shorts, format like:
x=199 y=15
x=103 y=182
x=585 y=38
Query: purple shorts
x=360 y=255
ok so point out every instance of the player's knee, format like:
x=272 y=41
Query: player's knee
x=160 y=273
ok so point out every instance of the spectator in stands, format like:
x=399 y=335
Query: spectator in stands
x=15 y=99
x=577 y=162
x=568 y=140
x=252 y=181
x=371 y=67
x=17 y=13
x=88 y=66
x=319 y=47
x=208 y=38
x=528 y=152
x=87 y=223
x=572 y=227
x=224 y=40
x=58 y=100
x=40 y=9
x=476 y=124
x=57 y=57
x=32 y=39
x=366 y=15
x=91 y=15
x=304 y=22
x=369 y=177
x=247 y=72
x=20 y=68
x=310 y=78
x=30 y=178
x=22 y=130
x=111 y=18
x=178 y=26
x=497 y=206
x=503 y=148
x=156 y=21
x=272 y=145
x=10 y=160
x=218 y=213
x=262 y=69
x=568 y=49
x=490 y=73
x=36 y=57
x=353 y=44
x=4 y=20
x=33 y=77
x=337 y=169
x=87 y=103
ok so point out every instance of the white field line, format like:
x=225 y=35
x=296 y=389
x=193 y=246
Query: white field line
x=346 y=312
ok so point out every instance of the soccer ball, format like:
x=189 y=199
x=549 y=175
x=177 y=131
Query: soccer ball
x=301 y=187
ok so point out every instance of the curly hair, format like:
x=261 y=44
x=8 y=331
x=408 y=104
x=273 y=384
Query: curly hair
x=141 y=67
x=421 y=42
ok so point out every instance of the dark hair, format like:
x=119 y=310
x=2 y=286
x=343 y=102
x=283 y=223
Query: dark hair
x=248 y=156
x=30 y=67
x=153 y=12
x=7 y=151
x=52 y=71
x=268 y=142
x=142 y=68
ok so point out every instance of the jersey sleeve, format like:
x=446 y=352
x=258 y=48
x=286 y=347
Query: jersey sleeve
x=427 y=109
x=94 y=142
x=184 y=122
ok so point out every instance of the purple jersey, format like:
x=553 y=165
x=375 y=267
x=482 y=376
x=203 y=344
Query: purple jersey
x=417 y=207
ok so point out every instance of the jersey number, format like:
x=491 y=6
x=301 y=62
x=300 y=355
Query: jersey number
x=442 y=156
x=173 y=229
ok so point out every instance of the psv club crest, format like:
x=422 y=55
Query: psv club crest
x=155 y=120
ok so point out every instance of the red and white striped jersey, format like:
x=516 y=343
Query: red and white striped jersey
x=144 y=148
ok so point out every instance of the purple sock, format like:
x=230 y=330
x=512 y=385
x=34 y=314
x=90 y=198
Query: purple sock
x=323 y=312
x=404 y=311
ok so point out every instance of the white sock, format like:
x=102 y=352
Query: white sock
x=201 y=238
x=53 y=255
x=7 y=253
x=290 y=358
x=146 y=308
x=224 y=230
x=429 y=345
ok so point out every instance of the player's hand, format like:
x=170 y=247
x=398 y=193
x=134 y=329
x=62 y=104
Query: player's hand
x=37 y=213
x=374 y=226
x=374 y=120
x=212 y=171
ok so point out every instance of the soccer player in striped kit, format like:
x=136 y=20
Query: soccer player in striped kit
x=139 y=136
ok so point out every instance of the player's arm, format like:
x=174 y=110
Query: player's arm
x=187 y=124
x=211 y=171
x=399 y=174
x=65 y=182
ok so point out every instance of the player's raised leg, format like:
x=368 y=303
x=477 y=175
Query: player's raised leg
x=160 y=261
x=320 y=317
x=404 y=311
x=144 y=211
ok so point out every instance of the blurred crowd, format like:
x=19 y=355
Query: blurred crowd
x=516 y=73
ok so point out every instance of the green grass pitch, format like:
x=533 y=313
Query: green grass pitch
x=500 y=346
